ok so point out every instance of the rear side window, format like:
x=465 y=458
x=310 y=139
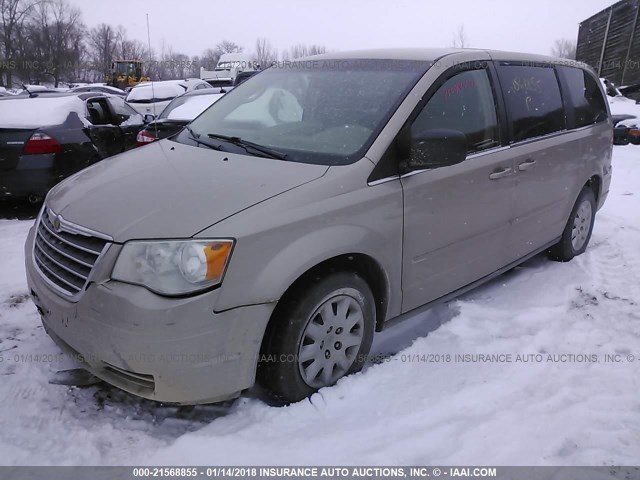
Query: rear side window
x=464 y=102
x=533 y=100
x=584 y=95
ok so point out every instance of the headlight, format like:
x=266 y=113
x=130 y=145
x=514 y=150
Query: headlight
x=173 y=267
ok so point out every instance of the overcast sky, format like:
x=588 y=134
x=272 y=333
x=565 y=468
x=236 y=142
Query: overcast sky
x=191 y=26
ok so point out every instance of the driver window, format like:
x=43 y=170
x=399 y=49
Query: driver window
x=465 y=103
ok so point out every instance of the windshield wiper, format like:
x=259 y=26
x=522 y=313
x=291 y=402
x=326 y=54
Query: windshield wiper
x=196 y=138
x=245 y=143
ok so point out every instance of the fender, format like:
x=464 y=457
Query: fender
x=286 y=265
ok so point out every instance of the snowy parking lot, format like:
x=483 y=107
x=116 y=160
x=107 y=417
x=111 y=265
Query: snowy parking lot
x=538 y=367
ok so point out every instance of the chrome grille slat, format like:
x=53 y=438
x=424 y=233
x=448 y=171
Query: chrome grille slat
x=65 y=254
x=53 y=260
x=79 y=255
x=42 y=264
x=79 y=247
x=53 y=247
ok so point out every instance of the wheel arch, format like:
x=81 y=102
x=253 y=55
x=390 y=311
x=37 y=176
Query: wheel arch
x=595 y=184
x=364 y=265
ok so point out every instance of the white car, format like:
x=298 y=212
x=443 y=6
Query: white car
x=152 y=97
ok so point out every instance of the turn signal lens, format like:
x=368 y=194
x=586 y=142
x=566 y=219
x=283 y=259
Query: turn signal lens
x=217 y=255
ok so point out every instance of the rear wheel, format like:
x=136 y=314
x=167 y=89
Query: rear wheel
x=320 y=334
x=577 y=232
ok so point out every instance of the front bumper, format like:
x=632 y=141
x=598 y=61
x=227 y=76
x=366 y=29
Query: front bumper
x=174 y=350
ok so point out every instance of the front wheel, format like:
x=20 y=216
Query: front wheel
x=321 y=333
x=577 y=232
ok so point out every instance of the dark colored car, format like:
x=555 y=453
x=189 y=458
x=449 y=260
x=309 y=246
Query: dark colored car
x=47 y=137
x=620 y=130
x=626 y=130
x=179 y=113
x=244 y=76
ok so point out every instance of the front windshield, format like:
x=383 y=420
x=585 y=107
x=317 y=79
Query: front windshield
x=322 y=111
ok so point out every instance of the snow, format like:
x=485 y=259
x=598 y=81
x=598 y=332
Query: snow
x=163 y=90
x=114 y=90
x=39 y=111
x=620 y=105
x=397 y=412
x=192 y=107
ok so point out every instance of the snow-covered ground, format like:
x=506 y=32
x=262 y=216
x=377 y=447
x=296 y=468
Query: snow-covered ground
x=563 y=412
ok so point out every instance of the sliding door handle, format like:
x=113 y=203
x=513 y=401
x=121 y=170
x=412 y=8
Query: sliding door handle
x=504 y=172
x=526 y=165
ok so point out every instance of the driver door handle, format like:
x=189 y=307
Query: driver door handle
x=526 y=165
x=504 y=172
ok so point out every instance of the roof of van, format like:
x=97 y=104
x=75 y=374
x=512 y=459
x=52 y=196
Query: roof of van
x=433 y=54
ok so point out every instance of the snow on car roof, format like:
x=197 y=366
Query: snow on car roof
x=157 y=90
x=39 y=111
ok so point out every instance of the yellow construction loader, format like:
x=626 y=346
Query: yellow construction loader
x=126 y=73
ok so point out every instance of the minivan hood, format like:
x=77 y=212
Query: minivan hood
x=171 y=190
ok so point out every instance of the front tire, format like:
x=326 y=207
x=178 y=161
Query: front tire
x=577 y=232
x=322 y=332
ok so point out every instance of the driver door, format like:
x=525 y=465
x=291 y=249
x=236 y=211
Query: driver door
x=129 y=121
x=457 y=219
x=105 y=136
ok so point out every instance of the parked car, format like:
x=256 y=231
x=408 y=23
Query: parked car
x=152 y=97
x=244 y=76
x=625 y=115
x=50 y=136
x=621 y=128
x=309 y=208
x=180 y=111
x=99 y=88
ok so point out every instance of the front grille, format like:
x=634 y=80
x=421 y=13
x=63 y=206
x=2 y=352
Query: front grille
x=65 y=255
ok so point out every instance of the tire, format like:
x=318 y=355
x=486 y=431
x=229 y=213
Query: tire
x=324 y=327
x=577 y=232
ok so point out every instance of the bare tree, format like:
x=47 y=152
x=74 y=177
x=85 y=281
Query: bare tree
x=302 y=50
x=194 y=67
x=225 y=46
x=209 y=58
x=564 y=48
x=59 y=34
x=460 y=38
x=265 y=54
x=13 y=14
x=102 y=42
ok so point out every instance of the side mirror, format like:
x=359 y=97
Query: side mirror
x=148 y=118
x=438 y=147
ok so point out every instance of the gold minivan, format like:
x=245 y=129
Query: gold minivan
x=310 y=206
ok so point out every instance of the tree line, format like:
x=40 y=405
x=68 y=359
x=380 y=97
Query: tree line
x=46 y=41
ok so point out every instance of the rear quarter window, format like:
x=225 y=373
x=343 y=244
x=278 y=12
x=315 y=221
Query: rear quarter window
x=533 y=100
x=584 y=96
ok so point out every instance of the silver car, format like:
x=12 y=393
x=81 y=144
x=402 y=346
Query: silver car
x=307 y=208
